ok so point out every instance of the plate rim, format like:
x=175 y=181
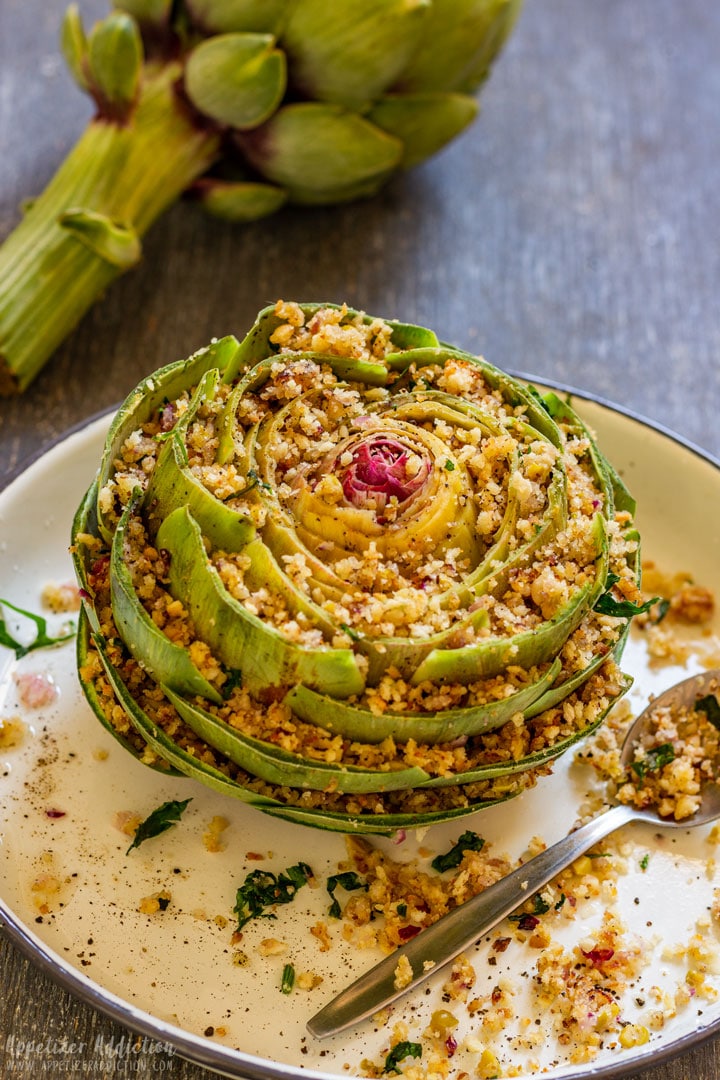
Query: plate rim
x=225 y=1060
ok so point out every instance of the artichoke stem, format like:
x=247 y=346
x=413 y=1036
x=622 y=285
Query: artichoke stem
x=85 y=228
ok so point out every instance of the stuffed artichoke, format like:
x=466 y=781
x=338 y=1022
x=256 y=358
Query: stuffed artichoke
x=350 y=575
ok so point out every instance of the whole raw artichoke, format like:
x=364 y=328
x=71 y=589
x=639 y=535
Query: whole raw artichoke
x=248 y=103
x=350 y=575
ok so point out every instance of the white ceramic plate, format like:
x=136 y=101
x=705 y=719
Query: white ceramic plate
x=171 y=976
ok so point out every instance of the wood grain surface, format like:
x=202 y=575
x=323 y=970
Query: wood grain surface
x=573 y=233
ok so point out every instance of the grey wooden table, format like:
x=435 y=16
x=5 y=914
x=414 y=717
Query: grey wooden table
x=573 y=233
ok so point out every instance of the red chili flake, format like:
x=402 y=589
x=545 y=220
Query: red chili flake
x=500 y=944
x=407 y=932
x=450 y=1045
x=598 y=956
x=527 y=921
x=55 y=813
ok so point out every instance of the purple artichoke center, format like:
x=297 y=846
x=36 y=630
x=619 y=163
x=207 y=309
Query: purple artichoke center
x=383 y=468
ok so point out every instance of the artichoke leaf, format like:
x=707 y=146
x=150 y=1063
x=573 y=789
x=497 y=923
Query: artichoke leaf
x=337 y=153
x=387 y=823
x=87 y=641
x=172 y=485
x=353 y=722
x=182 y=761
x=240 y=639
x=277 y=766
x=166 y=661
x=530 y=761
x=350 y=53
x=144 y=402
x=237 y=79
x=528 y=648
x=424 y=123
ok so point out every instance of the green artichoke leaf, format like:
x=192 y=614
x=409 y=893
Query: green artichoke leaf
x=155 y=13
x=320 y=152
x=227 y=16
x=172 y=484
x=256 y=345
x=148 y=398
x=86 y=640
x=387 y=823
x=165 y=661
x=512 y=390
x=530 y=761
x=114 y=61
x=350 y=53
x=529 y=648
x=240 y=639
x=354 y=722
x=73 y=43
x=278 y=766
x=460 y=40
x=84 y=529
x=238 y=201
x=236 y=79
x=178 y=759
x=424 y=123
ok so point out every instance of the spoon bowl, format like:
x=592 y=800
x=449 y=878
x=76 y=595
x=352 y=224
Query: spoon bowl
x=453 y=933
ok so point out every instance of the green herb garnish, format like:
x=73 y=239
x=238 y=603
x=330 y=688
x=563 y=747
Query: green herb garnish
x=243 y=491
x=654 y=759
x=42 y=638
x=402 y=910
x=621 y=609
x=352 y=634
x=469 y=841
x=263 y=889
x=663 y=606
x=709 y=705
x=349 y=881
x=645 y=861
x=161 y=819
x=396 y=1055
x=288 y=979
x=561 y=902
x=234 y=679
x=450 y=465
x=540 y=907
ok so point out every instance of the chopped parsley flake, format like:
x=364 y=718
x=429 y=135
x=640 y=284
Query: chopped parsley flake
x=161 y=819
x=349 y=881
x=42 y=638
x=396 y=1055
x=654 y=759
x=469 y=841
x=263 y=889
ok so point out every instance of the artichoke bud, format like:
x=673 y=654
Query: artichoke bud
x=322 y=153
x=73 y=43
x=237 y=200
x=147 y=12
x=117 y=244
x=228 y=16
x=236 y=79
x=115 y=59
x=460 y=40
x=351 y=53
x=424 y=123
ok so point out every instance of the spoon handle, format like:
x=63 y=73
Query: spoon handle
x=460 y=928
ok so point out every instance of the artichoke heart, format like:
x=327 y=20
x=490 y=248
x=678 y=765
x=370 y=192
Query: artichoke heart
x=350 y=575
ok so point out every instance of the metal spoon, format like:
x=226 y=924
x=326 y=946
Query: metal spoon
x=453 y=933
